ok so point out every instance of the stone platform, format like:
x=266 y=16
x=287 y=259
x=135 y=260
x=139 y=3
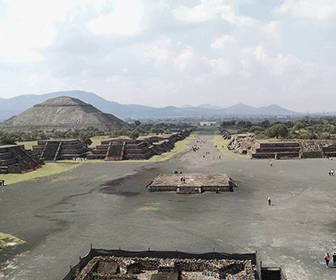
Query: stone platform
x=102 y=264
x=16 y=159
x=192 y=183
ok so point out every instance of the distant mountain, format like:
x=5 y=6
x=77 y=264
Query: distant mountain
x=16 y=105
x=242 y=109
x=276 y=110
x=209 y=106
x=62 y=113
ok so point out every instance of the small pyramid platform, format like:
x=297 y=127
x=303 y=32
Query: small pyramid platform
x=59 y=149
x=126 y=149
x=15 y=159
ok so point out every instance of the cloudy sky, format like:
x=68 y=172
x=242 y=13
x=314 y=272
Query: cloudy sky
x=173 y=52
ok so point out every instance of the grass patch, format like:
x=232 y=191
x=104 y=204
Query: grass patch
x=28 y=144
x=50 y=168
x=8 y=240
x=180 y=147
x=96 y=140
x=222 y=147
x=148 y=208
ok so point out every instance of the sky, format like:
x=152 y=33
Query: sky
x=173 y=52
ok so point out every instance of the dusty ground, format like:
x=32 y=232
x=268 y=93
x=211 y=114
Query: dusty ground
x=105 y=204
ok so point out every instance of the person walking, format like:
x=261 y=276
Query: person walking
x=327 y=259
x=334 y=258
x=269 y=201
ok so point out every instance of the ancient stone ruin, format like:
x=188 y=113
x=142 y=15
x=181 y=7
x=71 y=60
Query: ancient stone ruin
x=192 y=183
x=102 y=264
x=126 y=149
x=158 y=268
x=241 y=143
x=62 y=113
x=275 y=150
x=15 y=159
x=59 y=149
x=281 y=149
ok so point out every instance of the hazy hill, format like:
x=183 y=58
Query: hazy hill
x=16 y=105
x=62 y=113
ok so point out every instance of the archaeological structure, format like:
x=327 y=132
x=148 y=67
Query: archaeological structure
x=59 y=149
x=192 y=183
x=62 y=113
x=170 y=265
x=280 y=149
x=126 y=149
x=15 y=159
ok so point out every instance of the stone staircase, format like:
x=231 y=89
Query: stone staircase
x=276 y=150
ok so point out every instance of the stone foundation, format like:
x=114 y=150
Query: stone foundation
x=192 y=183
x=160 y=269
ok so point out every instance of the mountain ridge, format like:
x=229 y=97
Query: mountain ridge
x=18 y=104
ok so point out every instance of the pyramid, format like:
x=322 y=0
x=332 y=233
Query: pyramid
x=62 y=113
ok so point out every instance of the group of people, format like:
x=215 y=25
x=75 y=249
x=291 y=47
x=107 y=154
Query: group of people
x=195 y=148
x=327 y=259
x=331 y=172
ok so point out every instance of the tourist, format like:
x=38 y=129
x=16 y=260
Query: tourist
x=332 y=171
x=269 y=201
x=334 y=258
x=327 y=259
x=271 y=164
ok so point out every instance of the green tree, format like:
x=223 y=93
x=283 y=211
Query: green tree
x=277 y=130
x=85 y=138
x=299 y=125
x=7 y=139
x=134 y=134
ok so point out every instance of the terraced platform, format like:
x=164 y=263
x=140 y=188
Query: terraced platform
x=192 y=183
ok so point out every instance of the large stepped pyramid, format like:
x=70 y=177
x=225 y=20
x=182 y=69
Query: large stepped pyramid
x=62 y=113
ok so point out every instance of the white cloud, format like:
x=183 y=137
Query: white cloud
x=160 y=51
x=27 y=26
x=223 y=42
x=124 y=18
x=310 y=9
x=208 y=10
x=154 y=53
